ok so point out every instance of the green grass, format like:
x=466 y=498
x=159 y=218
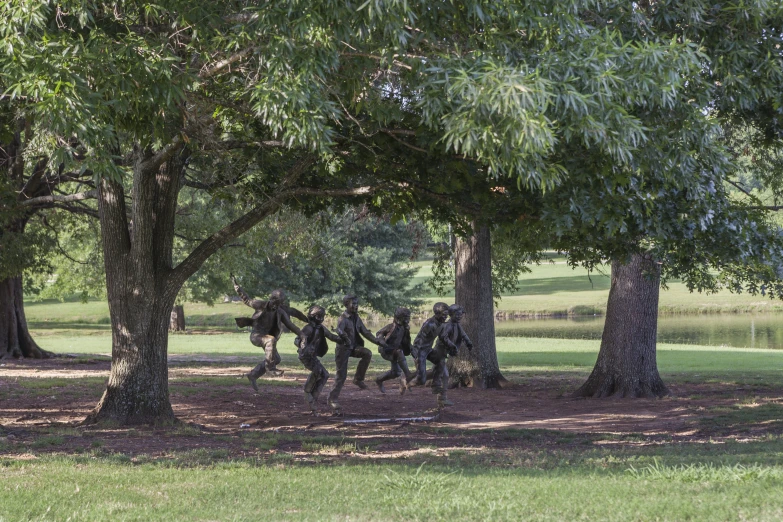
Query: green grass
x=573 y=486
x=512 y=474
x=67 y=472
x=515 y=354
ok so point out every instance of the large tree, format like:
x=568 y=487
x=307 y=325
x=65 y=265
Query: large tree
x=696 y=232
x=28 y=187
x=297 y=103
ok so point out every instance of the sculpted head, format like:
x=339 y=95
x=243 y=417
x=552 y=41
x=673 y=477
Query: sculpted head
x=455 y=313
x=351 y=303
x=441 y=311
x=402 y=316
x=276 y=298
x=316 y=314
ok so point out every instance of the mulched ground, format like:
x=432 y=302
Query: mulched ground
x=228 y=415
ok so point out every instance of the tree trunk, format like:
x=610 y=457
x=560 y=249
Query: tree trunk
x=141 y=292
x=142 y=284
x=473 y=285
x=15 y=338
x=138 y=387
x=177 y=320
x=626 y=365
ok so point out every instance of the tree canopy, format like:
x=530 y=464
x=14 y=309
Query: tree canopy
x=509 y=111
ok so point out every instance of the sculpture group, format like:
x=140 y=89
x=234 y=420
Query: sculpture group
x=438 y=339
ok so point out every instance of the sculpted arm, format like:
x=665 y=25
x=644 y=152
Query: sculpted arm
x=293 y=312
x=331 y=336
x=344 y=338
x=367 y=334
x=429 y=331
x=465 y=338
x=303 y=340
x=443 y=335
x=380 y=336
x=252 y=303
x=287 y=322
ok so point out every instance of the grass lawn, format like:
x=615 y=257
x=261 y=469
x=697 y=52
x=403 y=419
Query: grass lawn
x=711 y=451
x=580 y=485
x=725 y=464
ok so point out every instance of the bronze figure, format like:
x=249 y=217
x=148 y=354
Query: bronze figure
x=450 y=338
x=267 y=325
x=351 y=330
x=311 y=345
x=422 y=345
x=394 y=342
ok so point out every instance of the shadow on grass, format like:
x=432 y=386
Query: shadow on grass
x=744 y=418
x=554 y=285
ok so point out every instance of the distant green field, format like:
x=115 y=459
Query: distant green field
x=549 y=289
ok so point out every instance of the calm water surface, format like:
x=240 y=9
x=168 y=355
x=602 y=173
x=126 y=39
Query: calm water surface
x=737 y=330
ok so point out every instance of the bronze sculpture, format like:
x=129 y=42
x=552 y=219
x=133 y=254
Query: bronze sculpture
x=394 y=342
x=450 y=338
x=267 y=326
x=351 y=329
x=422 y=345
x=311 y=345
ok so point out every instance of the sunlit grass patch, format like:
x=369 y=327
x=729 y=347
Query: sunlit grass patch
x=330 y=448
x=706 y=472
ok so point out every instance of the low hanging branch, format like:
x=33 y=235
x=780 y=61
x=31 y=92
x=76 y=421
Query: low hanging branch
x=48 y=200
x=233 y=230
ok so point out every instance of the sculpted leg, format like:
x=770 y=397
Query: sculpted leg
x=361 y=369
x=341 y=356
x=272 y=358
x=254 y=374
x=421 y=364
x=323 y=376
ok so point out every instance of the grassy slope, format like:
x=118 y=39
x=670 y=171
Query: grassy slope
x=559 y=289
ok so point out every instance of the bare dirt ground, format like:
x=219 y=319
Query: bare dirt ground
x=219 y=410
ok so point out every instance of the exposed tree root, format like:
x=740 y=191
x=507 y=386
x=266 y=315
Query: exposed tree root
x=599 y=387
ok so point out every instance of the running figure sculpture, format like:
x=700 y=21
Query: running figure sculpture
x=267 y=326
x=351 y=329
x=312 y=345
x=397 y=340
x=422 y=345
x=450 y=338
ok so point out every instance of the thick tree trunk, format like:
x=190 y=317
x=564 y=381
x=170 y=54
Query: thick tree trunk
x=141 y=293
x=138 y=389
x=473 y=285
x=15 y=338
x=627 y=365
x=142 y=283
x=177 y=320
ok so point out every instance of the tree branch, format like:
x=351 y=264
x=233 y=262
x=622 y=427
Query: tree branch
x=237 y=144
x=221 y=238
x=78 y=210
x=222 y=64
x=395 y=138
x=45 y=200
x=741 y=189
x=163 y=154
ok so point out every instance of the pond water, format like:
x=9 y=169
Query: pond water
x=736 y=330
